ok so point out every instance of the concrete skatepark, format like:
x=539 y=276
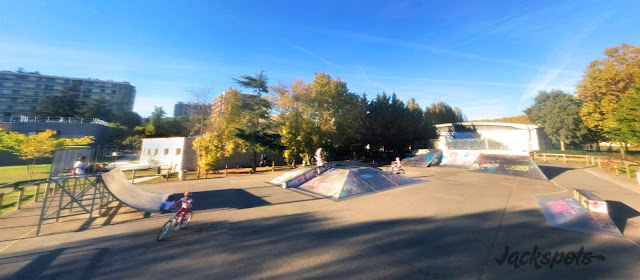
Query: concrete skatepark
x=455 y=224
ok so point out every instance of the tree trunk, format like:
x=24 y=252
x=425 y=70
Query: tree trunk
x=31 y=167
x=622 y=150
x=597 y=146
x=561 y=145
x=253 y=166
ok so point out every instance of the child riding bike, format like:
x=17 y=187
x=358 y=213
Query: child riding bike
x=187 y=201
x=396 y=165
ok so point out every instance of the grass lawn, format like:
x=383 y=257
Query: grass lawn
x=10 y=199
x=9 y=174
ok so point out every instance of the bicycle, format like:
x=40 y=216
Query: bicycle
x=391 y=170
x=173 y=220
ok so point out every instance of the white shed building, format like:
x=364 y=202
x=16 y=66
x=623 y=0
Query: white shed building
x=174 y=152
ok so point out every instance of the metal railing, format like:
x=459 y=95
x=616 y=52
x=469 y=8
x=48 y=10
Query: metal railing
x=53 y=119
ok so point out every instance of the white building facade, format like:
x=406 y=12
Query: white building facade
x=174 y=152
x=497 y=137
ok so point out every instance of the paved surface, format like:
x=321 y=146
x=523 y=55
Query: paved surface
x=457 y=225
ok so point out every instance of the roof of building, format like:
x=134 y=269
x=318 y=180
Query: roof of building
x=513 y=125
x=63 y=77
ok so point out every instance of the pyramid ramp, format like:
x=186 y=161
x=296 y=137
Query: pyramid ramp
x=570 y=214
x=347 y=182
x=512 y=165
x=423 y=158
x=120 y=187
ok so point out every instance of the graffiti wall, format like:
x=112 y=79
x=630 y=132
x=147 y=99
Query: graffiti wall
x=458 y=158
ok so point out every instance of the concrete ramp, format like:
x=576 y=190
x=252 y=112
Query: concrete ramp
x=521 y=166
x=296 y=177
x=132 y=196
x=459 y=158
x=341 y=183
x=423 y=158
x=570 y=214
x=347 y=163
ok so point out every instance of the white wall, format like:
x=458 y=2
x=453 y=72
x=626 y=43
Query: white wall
x=520 y=139
x=163 y=151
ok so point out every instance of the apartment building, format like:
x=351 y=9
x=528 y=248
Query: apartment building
x=21 y=91
x=182 y=109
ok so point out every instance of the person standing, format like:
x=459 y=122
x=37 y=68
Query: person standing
x=80 y=166
x=319 y=162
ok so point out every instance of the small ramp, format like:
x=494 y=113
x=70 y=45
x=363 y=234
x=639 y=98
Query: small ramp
x=301 y=175
x=132 y=196
x=570 y=214
x=423 y=158
x=512 y=165
x=295 y=177
x=459 y=158
x=346 y=182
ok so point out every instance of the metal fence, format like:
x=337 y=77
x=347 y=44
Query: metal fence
x=64 y=158
x=53 y=119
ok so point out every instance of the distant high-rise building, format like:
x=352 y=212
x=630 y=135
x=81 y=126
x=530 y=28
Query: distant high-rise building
x=217 y=107
x=20 y=92
x=182 y=109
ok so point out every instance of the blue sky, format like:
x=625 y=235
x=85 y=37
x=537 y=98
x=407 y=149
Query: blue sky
x=489 y=58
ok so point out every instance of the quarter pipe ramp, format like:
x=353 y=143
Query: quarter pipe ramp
x=120 y=187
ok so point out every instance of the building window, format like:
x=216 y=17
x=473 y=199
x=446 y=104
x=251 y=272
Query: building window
x=148 y=152
x=178 y=151
x=101 y=90
x=166 y=152
x=155 y=152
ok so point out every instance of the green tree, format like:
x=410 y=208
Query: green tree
x=557 y=112
x=441 y=112
x=96 y=108
x=299 y=130
x=258 y=82
x=155 y=126
x=36 y=146
x=393 y=126
x=319 y=114
x=128 y=119
x=627 y=119
x=219 y=141
x=607 y=81
x=60 y=105
x=256 y=134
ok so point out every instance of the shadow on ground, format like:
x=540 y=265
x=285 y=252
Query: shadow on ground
x=620 y=213
x=308 y=246
x=554 y=171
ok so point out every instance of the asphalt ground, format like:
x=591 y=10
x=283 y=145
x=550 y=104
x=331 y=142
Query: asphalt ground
x=455 y=225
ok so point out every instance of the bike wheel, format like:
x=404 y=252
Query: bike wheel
x=187 y=219
x=401 y=171
x=164 y=230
